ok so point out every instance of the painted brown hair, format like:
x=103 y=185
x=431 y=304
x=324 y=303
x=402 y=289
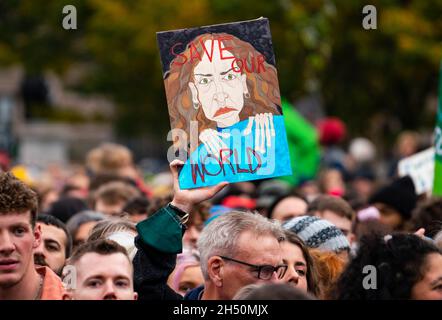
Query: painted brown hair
x=263 y=87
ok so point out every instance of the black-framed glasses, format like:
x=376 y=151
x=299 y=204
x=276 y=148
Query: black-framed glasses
x=265 y=271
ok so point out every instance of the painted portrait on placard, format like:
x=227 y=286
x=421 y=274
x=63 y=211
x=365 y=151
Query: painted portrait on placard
x=224 y=105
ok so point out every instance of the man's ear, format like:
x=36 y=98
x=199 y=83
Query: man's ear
x=37 y=236
x=215 y=267
x=194 y=92
x=135 y=296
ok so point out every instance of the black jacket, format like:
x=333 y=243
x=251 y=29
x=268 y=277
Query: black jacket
x=155 y=259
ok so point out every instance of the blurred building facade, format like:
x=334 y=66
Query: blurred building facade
x=36 y=140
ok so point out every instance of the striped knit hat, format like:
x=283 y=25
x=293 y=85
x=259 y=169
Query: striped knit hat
x=318 y=233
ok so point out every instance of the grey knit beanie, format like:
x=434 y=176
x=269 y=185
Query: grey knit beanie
x=318 y=233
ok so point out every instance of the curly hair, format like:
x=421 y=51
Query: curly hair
x=400 y=263
x=263 y=87
x=17 y=197
x=312 y=272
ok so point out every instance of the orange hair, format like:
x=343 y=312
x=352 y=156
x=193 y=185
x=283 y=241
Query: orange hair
x=329 y=267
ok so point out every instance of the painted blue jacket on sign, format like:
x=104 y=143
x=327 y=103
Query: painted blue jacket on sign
x=240 y=161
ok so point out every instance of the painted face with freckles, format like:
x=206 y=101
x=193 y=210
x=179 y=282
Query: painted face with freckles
x=217 y=88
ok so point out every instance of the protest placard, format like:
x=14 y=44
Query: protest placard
x=420 y=167
x=224 y=103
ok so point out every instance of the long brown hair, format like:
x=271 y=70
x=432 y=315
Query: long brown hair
x=263 y=87
x=312 y=273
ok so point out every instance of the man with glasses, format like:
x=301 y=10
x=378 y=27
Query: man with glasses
x=265 y=272
x=238 y=249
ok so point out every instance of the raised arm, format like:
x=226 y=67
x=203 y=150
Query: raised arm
x=159 y=240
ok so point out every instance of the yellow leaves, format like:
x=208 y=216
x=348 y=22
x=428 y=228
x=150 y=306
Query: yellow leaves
x=414 y=34
x=394 y=20
x=112 y=11
x=133 y=24
x=435 y=53
x=407 y=42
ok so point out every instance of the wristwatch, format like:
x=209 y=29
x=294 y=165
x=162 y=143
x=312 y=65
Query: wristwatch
x=184 y=216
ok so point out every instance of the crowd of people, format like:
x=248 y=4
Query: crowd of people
x=101 y=231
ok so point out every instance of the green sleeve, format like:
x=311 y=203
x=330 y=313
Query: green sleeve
x=162 y=231
x=299 y=130
x=303 y=143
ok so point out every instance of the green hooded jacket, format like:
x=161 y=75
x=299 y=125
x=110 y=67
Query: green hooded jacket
x=303 y=146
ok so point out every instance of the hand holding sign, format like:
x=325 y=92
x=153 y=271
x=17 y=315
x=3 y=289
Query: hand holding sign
x=186 y=199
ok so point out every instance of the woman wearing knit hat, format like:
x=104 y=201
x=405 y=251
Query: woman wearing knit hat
x=330 y=254
x=301 y=272
x=319 y=233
